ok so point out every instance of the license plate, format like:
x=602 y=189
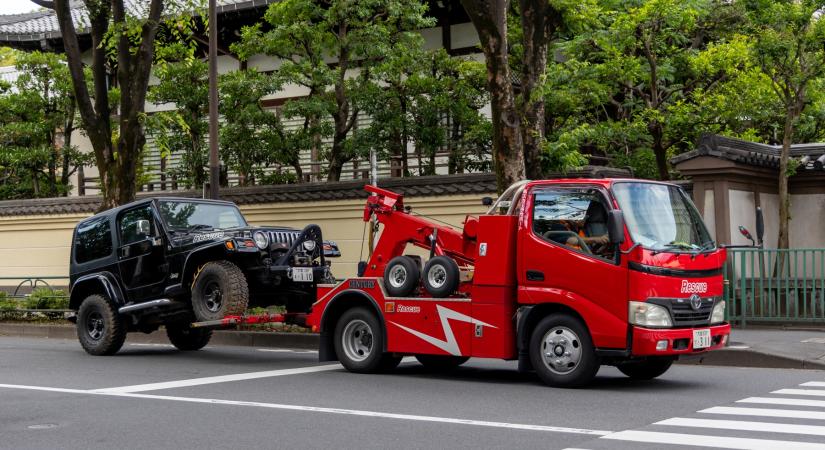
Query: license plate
x=302 y=274
x=701 y=339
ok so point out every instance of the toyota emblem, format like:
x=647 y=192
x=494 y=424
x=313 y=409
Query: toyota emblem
x=695 y=302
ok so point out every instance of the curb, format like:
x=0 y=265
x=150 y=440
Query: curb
x=302 y=341
x=749 y=357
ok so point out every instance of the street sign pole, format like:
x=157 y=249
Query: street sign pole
x=214 y=164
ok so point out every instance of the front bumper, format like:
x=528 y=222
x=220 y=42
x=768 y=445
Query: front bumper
x=679 y=340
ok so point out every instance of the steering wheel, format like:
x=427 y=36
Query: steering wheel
x=562 y=236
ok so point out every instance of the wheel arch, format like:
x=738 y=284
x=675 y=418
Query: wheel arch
x=104 y=283
x=333 y=311
x=528 y=318
x=198 y=258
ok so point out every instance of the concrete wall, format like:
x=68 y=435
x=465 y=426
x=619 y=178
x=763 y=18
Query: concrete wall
x=33 y=246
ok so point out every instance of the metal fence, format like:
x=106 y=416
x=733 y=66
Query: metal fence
x=776 y=286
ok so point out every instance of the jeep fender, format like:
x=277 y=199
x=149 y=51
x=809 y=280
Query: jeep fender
x=211 y=252
x=103 y=283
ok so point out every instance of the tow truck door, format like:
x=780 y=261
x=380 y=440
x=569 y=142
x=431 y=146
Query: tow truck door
x=141 y=254
x=557 y=266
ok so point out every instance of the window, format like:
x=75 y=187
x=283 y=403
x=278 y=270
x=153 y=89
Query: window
x=93 y=240
x=573 y=218
x=129 y=224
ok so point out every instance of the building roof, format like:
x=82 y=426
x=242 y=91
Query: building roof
x=811 y=156
x=42 y=25
x=439 y=185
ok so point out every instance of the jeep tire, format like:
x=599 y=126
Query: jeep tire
x=185 y=338
x=219 y=290
x=100 y=329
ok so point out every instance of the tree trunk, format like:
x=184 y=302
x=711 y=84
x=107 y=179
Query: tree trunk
x=659 y=150
x=342 y=112
x=783 y=240
x=489 y=18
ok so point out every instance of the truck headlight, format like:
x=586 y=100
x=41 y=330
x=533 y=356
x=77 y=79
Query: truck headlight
x=261 y=240
x=309 y=246
x=649 y=315
x=718 y=315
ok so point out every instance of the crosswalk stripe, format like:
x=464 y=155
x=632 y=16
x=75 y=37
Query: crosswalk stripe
x=814 y=384
x=699 y=440
x=811 y=392
x=745 y=426
x=783 y=401
x=766 y=412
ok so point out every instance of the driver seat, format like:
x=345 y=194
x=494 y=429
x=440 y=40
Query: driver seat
x=595 y=219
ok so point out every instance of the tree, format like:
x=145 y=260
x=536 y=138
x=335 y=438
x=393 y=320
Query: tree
x=122 y=54
x=788 y=46
x=302 y=33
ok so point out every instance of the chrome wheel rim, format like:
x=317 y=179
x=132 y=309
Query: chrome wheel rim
x=398 y=276
x=357 y=340
x=95 y=326
x=561 y=350
x=213 y=298
x=437 y=276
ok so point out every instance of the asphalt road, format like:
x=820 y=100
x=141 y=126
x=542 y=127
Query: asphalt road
x=53 y=395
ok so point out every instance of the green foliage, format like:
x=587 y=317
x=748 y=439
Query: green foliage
x=47 y=298
x=8 y=56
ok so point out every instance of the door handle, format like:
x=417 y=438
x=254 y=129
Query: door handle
x=535 y=275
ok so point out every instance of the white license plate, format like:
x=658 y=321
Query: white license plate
x=302 y=274
x=701 y=339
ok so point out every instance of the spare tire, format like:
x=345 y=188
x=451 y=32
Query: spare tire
x=219 y=290
x=441 y=276
x=401 y=276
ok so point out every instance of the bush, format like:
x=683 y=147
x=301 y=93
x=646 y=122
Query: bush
x=47 y=298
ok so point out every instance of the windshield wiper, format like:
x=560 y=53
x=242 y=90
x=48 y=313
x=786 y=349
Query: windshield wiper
x=200 y=226
x=673 y=245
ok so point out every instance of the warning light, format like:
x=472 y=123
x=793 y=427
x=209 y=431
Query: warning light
x=230 y=245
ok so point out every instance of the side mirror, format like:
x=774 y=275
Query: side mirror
x=615 y=226
x=747 y=234
x=143 y=228
x=760 y=226
x=487 y=201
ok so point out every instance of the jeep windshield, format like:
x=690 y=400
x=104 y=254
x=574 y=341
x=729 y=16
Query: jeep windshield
x=661 y=218
x=183 y=216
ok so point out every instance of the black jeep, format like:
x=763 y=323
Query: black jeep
x=173 y=261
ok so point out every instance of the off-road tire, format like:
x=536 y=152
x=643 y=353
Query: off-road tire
x=185 y=338
x=351 y=327
x=645 y=370
x=441 y=362
x=396 y=268
x=104 y=336
x=233 y=291
x=441 y=276
x=577 y=340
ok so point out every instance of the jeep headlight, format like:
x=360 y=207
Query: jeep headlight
x=649 y=315
x=718 y=315
x=309 y=246
x=261 y=240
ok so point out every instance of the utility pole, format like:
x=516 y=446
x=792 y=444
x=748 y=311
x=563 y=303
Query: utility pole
x=214 y=164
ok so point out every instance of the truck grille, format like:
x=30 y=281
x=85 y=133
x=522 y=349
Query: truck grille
x=285 y=237
x=683 y=314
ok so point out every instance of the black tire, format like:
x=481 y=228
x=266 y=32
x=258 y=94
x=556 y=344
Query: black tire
x=441 y=276
x=359 y=343
x=573 y=362
x=219 y=290
x=645 y=370
x=441 y=362
x=185 y=338
x=100 y=329
x=401 y=276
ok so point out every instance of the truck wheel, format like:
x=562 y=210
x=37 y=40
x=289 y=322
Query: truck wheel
x=441 y=276
x=219 y=290
x=186 y=338
x=100 y=329
x=359 y=343
x=562 y=352
x=645 y=370
x=441 y=362
x=401 y=276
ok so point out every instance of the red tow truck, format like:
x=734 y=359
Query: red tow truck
x=561 y=275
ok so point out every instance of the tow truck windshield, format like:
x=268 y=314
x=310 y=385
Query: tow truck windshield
x=182 y=216
x=662 y=218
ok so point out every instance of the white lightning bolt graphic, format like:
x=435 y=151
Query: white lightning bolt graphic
x=449 y=344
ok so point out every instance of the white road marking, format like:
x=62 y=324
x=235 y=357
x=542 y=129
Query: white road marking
x=698 y=440
x=811 y=392
x=783 y=401
x=814 y=384
x=218 y=379
x=745 y=426
x=317 y=409
x=765 y=412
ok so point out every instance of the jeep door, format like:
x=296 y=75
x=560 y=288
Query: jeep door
x=141 y=255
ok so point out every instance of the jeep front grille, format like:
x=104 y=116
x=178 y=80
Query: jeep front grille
x=285 y=237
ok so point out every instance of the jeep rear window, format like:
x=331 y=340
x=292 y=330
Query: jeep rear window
x=93 y=240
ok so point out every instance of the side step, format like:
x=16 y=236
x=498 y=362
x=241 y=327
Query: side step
x=145 y=305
